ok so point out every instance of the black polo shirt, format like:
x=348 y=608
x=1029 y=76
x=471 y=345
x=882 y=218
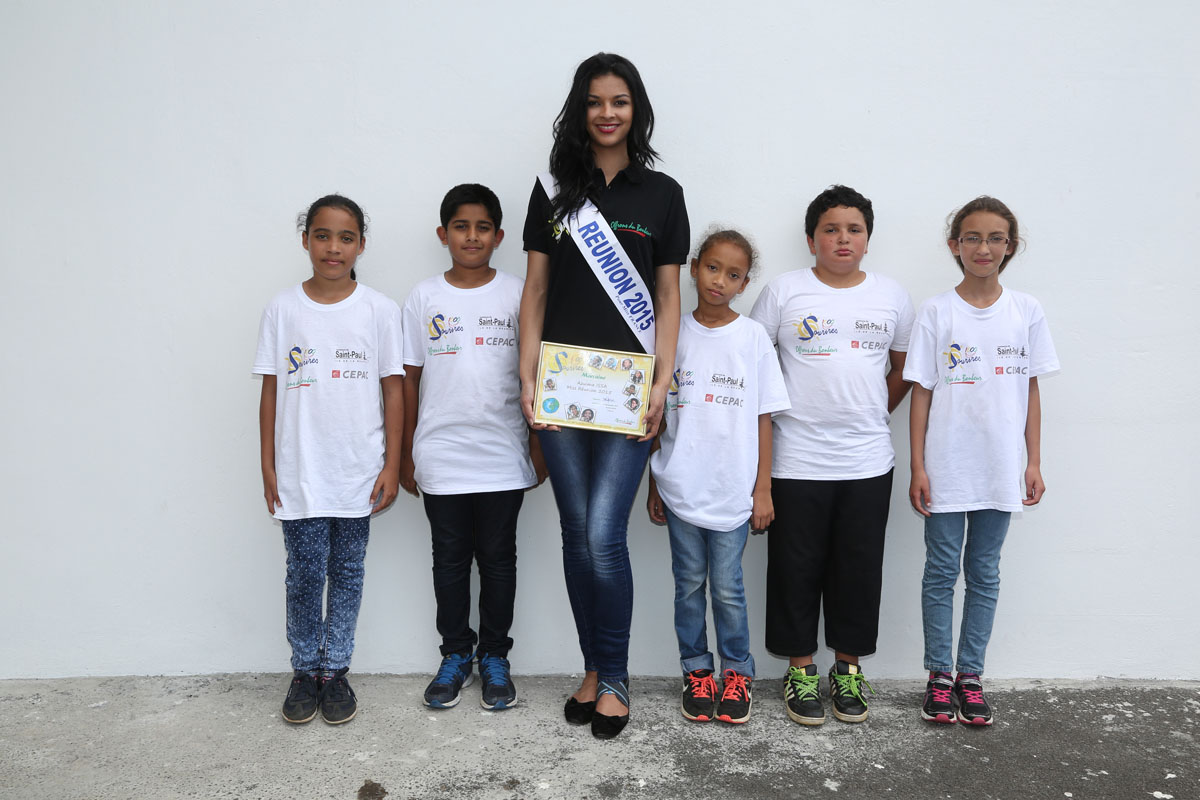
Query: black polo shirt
x=646 y=210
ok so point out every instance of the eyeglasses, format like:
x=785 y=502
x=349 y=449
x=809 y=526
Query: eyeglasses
x=974 y=241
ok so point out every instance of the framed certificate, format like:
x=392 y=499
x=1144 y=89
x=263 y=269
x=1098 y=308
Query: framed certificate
x=603 y=390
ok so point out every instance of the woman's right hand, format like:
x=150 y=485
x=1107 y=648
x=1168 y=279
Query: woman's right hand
x=527 y=397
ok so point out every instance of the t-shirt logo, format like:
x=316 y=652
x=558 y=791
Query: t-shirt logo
x=959 y=358
x=440 y=325
x=631 y=227
x=959 y=355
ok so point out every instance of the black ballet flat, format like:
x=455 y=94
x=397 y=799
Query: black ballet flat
x=603 y=725
x=578 y=713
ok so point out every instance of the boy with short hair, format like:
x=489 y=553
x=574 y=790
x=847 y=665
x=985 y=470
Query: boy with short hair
x=466 y=444
x=842 y=335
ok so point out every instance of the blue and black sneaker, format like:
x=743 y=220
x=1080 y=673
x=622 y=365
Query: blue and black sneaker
x=452 y=676
x=499 y=692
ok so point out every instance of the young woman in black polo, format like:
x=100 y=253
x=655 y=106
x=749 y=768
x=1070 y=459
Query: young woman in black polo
x=601 y=154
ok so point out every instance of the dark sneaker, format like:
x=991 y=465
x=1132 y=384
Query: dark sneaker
x=939 y=705
x=846 y=683
x=802 y=695
x=338 y=703
x=973 y=707
x=735 y=698
x=698 y=702
x=301 y=703
x=499 y=692
x=452 y=676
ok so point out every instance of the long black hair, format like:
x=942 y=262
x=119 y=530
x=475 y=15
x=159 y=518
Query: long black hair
x=571 y=160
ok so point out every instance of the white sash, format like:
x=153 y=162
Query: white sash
x=612 y=267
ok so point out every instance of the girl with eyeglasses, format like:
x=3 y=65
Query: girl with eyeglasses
x=975 y=357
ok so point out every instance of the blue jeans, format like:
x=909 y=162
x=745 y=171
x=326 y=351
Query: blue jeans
x=700 y=555
x=317 y=549
x=985 y=530
x=595 y=476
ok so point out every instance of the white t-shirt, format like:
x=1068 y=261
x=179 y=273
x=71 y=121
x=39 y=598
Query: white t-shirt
x=978 y=362
x=707 y=463
x=471 y=435
x=329 y=441
x=833 y=347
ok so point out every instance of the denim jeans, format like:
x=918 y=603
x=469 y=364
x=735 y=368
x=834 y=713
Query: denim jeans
x=700 y=556
x=985 y=530
x=595 y=476
x=321 y=548
x=480 y=528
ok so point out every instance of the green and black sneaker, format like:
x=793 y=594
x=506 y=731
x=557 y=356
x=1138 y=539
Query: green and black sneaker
x=845 y=687
x=802 y=695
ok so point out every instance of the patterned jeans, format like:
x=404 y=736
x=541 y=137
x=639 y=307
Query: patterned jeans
x=320 y=548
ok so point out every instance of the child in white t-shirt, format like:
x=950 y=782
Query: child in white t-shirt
x=842 y=334
x=466 y=444
x=710 y=474
x=330 y=442
x=975 y=357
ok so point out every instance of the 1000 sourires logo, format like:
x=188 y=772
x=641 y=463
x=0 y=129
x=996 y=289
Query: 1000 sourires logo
x=959 y=358
x=299 y=361
x=440 y=326
x=809 y=331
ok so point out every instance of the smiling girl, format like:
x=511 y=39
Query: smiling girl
x=600 y=167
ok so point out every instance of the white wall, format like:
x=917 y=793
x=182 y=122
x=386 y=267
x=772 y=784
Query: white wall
x=155 y=155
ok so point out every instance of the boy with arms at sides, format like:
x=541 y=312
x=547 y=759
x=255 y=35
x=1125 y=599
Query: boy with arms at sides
x=842 y=335
x=466 y=445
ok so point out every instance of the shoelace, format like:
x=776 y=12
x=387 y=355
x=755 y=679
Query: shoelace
x=853 y=684
x=494 y=669
x=703 y=687
x=804 y=689
x=302 y=688
x=450 y=669
x=940 y=690
x=335 y=688
x=735 y=686
x=972 y=690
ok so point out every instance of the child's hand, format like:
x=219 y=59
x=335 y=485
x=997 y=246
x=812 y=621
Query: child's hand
x=271 y=492
x=763 y=513
x=654 y=505
x=918 y=492
x=654 y=411
x=1034 y=487
x=386 y=488
x=408 y=480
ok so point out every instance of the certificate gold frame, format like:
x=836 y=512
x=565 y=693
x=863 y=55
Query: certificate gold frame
x=591 y=388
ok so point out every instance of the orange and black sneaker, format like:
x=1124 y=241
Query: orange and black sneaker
x=699 y=695
x=735 y=701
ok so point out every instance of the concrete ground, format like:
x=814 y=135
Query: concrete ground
x=221 y=736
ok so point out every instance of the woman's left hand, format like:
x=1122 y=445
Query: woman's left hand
x=654 y=412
